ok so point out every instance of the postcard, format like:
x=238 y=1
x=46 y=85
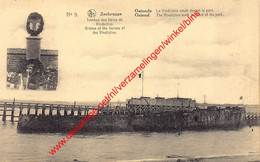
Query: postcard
x=145 y=80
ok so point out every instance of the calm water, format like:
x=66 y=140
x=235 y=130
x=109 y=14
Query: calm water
x=126 y=146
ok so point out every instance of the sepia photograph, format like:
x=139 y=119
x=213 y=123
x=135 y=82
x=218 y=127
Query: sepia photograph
x=32 y=68
x=130 y=81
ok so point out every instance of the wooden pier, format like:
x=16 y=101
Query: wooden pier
x=15 y=110
x=252 y=115
x=11 y=111
x=253 y=118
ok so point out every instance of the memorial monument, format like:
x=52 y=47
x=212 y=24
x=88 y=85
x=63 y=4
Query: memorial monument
x=34 y=27
x=32 y=68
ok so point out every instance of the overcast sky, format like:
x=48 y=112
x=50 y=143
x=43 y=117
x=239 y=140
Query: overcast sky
x=215 y=56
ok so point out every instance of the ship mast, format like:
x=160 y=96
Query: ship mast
x=142 y=75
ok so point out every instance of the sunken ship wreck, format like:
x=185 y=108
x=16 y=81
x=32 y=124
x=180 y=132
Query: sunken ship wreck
x=140 y=114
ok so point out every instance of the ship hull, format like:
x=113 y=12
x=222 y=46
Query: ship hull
x=228 y=118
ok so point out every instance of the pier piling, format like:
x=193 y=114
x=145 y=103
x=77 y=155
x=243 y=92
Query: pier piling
x=4 y=113
x=85 y=111
x=43 y=109
x=36 y=109
x=51 y=108
x=21 y=109
x=65 y=110
x=79 y=111
x=58 y=111
x=29 y=109
x=12 y=112
x=72 y=110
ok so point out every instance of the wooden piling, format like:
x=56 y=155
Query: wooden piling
x=51 y=108
x=65 y=111
x=43 y=109
x=12 y=113
x=72 y=111
x=36 y=109
x=29 y=109
x=79 y=111
x=4 y=113
x=21 y=110
x=85 y=111
x=58 y=111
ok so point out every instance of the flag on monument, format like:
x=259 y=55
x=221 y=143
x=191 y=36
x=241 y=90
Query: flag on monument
x=140 y=75
x=241 y=98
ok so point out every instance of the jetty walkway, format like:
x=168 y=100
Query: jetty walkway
x=11 y=111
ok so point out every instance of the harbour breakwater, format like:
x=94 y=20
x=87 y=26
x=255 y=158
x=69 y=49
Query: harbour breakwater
x=124 y=121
